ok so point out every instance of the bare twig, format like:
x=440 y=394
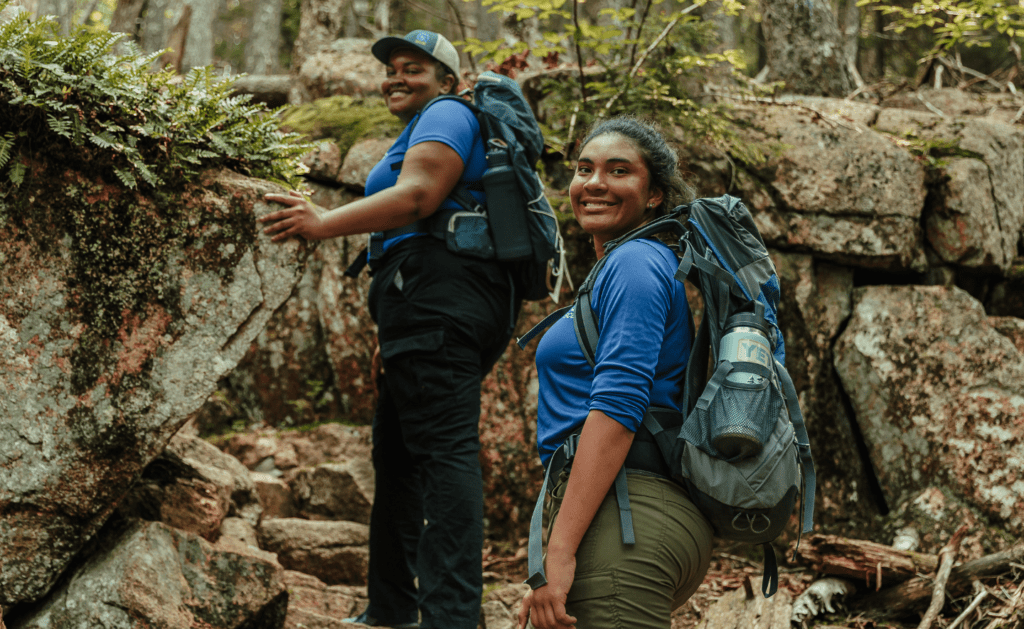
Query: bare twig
x=572 y=127
x=1015 y=604
x=639 y=32
x=579 y=55
x=970 y=609
x=948 y=558
x=462 y=29
x=1020 y=112
x=640 y=62
x=962 y=68
x=932 y=108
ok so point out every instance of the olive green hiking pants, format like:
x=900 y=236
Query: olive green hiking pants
x=637 y=587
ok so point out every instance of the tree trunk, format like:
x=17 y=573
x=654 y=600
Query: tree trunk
x=63 y=10
x=320 y=23
x=199 y=45
x=177 y=41
x=805 y=48
x=261 y=51
x=155 y=26
x=849 y=29
x=126 y=17
x=725 y=26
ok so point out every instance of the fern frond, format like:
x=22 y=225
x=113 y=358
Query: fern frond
x=126 y=178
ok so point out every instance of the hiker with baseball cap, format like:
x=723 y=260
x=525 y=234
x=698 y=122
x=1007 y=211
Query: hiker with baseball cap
x=443 y=320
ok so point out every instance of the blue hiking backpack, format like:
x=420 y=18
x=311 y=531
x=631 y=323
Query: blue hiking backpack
x=516 y=225
x=739 y=445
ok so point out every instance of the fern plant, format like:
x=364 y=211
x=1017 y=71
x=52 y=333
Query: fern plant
x=145 y=127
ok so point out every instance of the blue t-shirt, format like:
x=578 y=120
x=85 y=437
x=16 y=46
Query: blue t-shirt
x=643 y=317
x=445 y=121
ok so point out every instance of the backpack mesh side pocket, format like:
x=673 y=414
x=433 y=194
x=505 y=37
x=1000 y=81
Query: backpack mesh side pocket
x=738 y=419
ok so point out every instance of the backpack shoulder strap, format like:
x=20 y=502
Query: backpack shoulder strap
x=585 y=321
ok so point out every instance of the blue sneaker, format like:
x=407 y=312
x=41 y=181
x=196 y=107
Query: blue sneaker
x=370 y=621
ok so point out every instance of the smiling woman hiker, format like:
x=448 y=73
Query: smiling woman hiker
x=626 y=176
x=443 y=320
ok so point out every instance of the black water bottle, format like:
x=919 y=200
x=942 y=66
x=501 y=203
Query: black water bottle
x=506 y=209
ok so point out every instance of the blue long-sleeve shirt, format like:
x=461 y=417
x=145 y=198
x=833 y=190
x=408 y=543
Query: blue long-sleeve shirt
x=643 y=319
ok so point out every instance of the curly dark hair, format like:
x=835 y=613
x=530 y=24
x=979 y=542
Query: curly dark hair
x=660 y=158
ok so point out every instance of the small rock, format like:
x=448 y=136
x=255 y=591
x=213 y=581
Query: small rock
x=334 y=552
x=275 y=496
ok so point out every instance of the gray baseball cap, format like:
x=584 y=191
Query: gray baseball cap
x=434 y=44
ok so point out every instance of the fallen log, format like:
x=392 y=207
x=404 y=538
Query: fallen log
x=270 y=89
x=875 y=565
x=915 y=593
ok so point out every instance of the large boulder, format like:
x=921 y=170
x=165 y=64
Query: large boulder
x=351 y=336
x=975 y=217
x=835 y=188
x=150 y=575
x=936 y=389
x=84 y=414
x=344 y=67
x=312 y=362
x=816 y=302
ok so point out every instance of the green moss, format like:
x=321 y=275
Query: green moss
x=341 y=119
x=934 y=152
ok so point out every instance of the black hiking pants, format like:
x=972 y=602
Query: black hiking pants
x=443 y=320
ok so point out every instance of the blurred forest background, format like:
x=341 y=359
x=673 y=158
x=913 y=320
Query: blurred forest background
x=876 y=43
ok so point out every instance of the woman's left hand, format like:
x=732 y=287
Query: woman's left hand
x=545 y=606
x=300 y=218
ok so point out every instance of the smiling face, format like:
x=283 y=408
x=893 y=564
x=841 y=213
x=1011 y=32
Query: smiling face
x=411 y=82
x=611 y=192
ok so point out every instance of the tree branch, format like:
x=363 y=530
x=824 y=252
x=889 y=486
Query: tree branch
x=947 y=558
x=462 y=29
x=639 y=32
x=579 y=56
x=640 y=62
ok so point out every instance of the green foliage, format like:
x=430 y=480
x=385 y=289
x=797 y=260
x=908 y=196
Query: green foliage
x=110 y=111
x=341 y=119
x=640 y=59
x=956 y=22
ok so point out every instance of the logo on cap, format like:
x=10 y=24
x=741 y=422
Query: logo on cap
x=421 y=38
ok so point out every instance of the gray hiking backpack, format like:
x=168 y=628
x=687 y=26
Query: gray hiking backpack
x=739 y=445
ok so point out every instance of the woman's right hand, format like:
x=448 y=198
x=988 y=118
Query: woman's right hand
x=545 y=606
x=300 y=218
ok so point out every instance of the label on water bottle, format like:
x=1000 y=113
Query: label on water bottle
x=753 y=351
x=743 y=347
